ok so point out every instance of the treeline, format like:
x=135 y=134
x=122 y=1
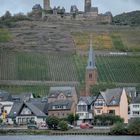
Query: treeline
x=130 y=18
x=8 y=20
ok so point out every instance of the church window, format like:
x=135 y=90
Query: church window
x=90 y=63
x=90 y=76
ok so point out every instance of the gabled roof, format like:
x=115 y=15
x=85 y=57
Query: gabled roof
x=36 y=106
x=5 y=96
x=112 y=96
x=22 y=96
x=88 y=99
x=55 y=91
x=131 y=91
x=36 y=111
x=135 y=100
x=66 y=103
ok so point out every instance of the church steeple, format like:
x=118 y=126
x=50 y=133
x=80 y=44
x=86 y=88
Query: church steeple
x=91 y=70
x=91 y=57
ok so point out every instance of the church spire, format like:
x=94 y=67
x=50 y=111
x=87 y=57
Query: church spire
x=91 y=57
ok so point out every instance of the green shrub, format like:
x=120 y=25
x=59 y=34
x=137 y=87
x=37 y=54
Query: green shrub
x=107 y=119
x=52 y=122
x=119 y=129
x=134 y=127
x=63 y=125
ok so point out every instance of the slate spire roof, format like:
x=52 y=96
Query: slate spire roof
x=91 y=57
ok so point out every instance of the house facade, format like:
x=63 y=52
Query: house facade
x=62 y=101
x=25 y=111
x=112 y=101
x=134 y=108
x=84 y=109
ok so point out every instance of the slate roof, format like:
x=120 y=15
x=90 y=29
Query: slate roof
x=131 y=91
x=22 y=96
x=91 y=58
x=36 y=106
x=37 y=6
x=88 y=99
x=135 y=100
x=55 y=91
x=66 y=103
x=5 y=96
x=112 y=96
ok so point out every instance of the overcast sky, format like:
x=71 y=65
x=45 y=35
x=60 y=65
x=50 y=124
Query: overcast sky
x=115 y=6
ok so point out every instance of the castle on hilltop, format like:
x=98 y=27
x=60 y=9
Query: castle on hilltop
x=90 y=13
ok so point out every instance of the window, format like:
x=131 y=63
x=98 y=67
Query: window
x=82 y=108
x=98 y=111
x=90 y=63
x=90 y=76
x=136 y=113
x=111 y=112
x=62 y=97
x=135 y=106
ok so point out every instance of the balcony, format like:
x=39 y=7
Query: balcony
x=85 y=115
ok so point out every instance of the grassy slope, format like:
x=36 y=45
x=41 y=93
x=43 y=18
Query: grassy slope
x=5 y=36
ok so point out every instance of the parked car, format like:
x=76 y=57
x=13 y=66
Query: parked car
x=70 y=126
x=86 y=125
x=32 y=126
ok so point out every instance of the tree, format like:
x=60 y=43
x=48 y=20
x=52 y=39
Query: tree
x=71 y=118
x=52 y=122
x=95 y=89
x=7 y=15
x=134 y=127
x=118 y=129
x=63 y=125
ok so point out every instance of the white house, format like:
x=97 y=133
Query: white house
x=134 y=108
x=25 y=111
x=84 y=109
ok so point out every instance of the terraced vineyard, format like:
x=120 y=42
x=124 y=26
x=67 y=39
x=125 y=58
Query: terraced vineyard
x=117 y=40
x=39 y=90
x=54 y=67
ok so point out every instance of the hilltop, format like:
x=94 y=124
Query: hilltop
x=130 y=18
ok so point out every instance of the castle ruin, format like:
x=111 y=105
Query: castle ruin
x=90 y=13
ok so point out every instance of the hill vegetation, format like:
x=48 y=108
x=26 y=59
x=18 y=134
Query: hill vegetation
x=56 y=67
x=130 y=18
x=125 y=40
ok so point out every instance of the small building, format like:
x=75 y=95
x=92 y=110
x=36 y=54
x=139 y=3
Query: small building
x=112 y=101
x=34 y=109
x=85 y=109
x=62 y=101
x=134 y=108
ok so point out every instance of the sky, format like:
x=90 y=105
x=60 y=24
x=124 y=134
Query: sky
x=115 y=6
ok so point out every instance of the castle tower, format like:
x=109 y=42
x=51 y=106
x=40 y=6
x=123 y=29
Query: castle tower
x=91 y=70
x=46 y=4
x=87 y=5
